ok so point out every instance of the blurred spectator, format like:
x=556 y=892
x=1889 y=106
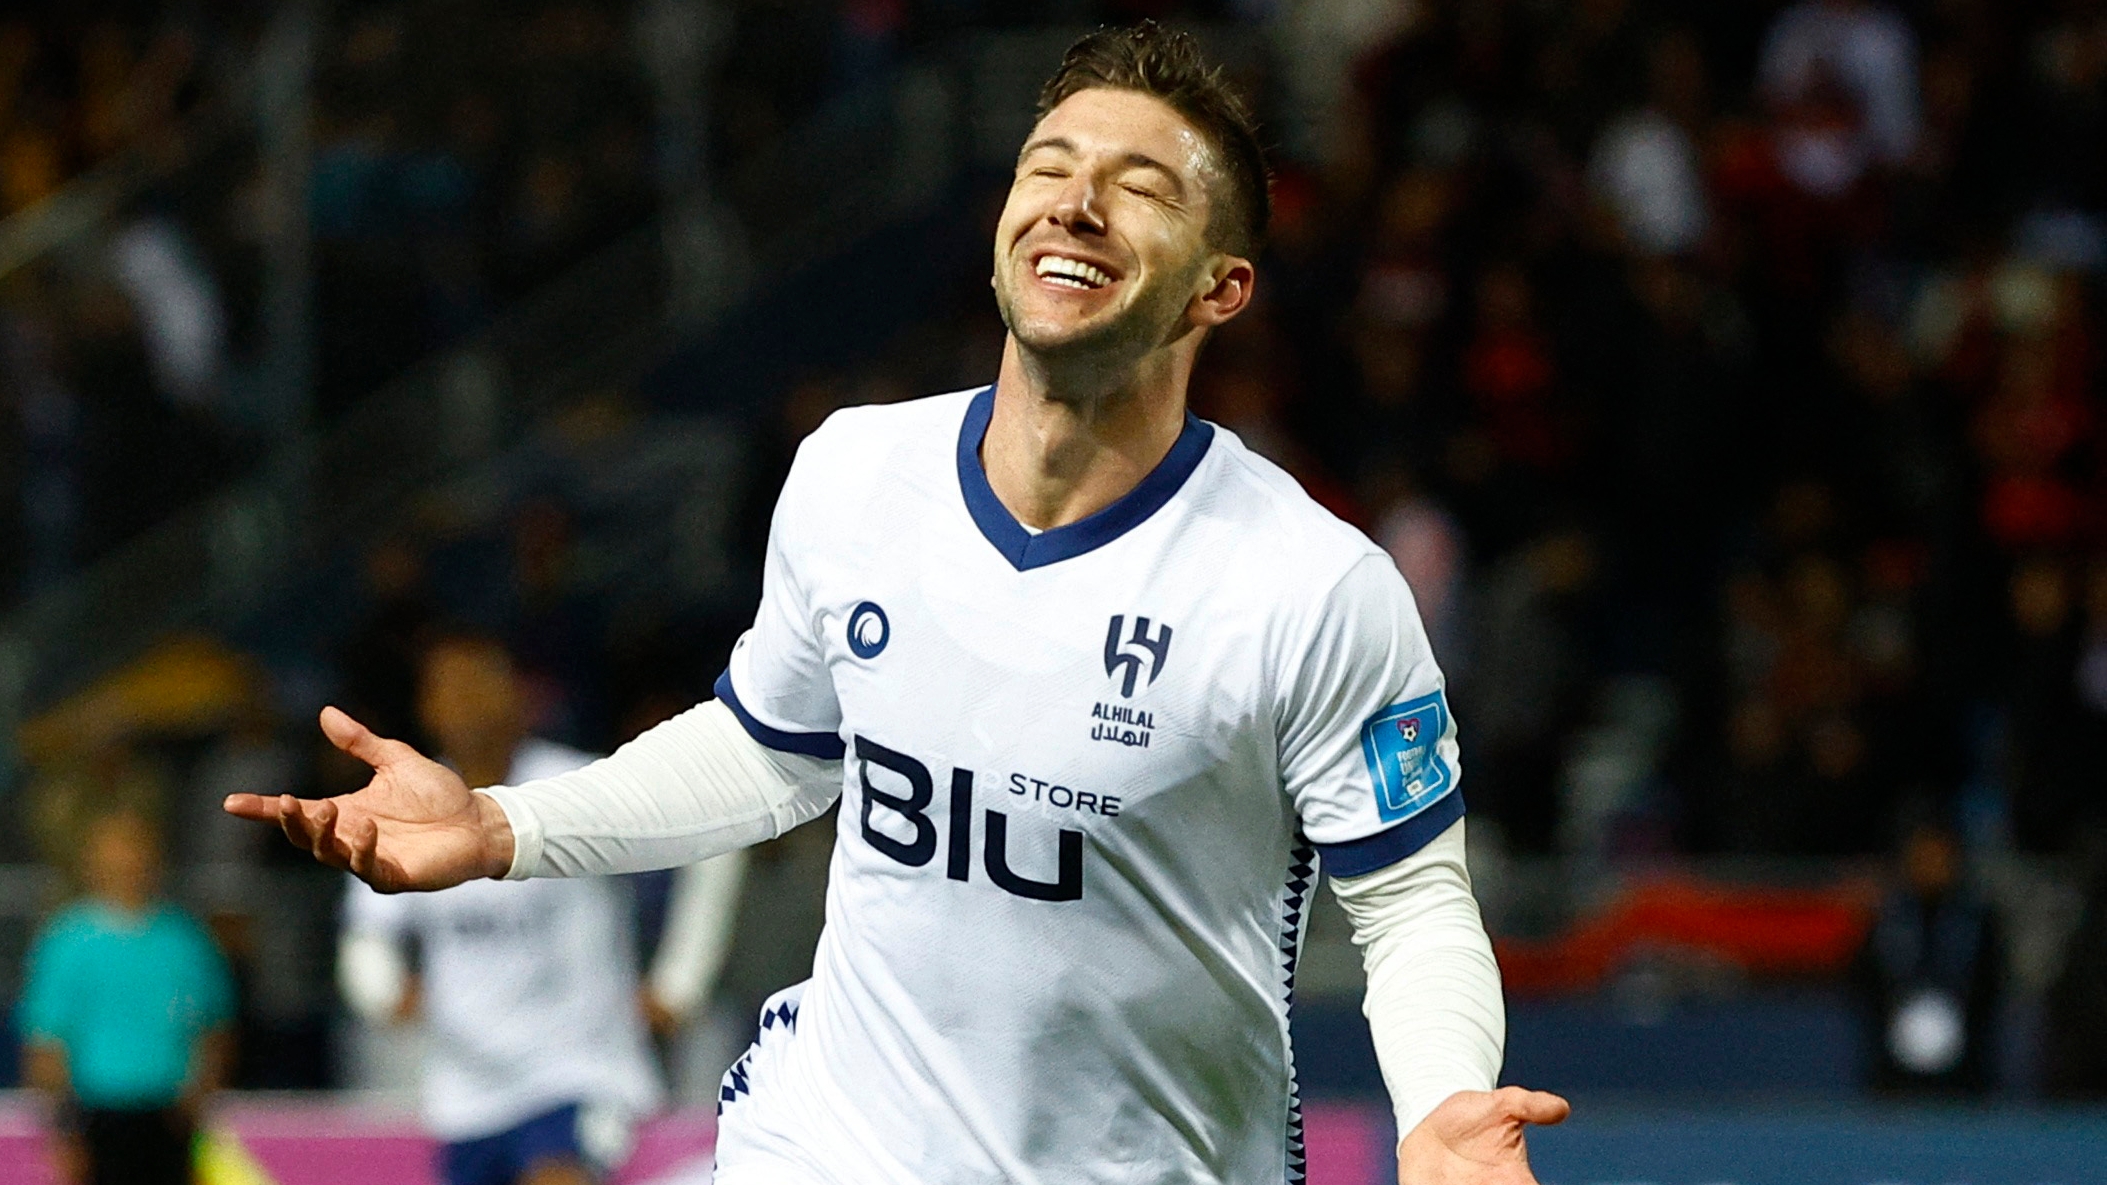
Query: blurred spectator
x=1842 y=76
x=178 y=307
x=538 y=1069
x=2074 y=1044
x=1528 y=684
x=1646 y=163
x=125 y=1009
x=1932 y=973
x=2051 y=777
x=1428 y=547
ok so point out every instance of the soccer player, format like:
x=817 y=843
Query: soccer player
x=1099 y=689
x=538 y=1067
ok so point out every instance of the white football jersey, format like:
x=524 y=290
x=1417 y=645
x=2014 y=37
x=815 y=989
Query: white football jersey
x=1089 y=776
x=529 y=989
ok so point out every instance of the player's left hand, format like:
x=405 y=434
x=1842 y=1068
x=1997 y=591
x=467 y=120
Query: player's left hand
x=1475 y=1138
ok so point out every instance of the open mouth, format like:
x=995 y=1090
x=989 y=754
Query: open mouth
x=1065 y=272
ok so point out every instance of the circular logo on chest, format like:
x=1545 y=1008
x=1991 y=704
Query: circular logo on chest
x=868 y=630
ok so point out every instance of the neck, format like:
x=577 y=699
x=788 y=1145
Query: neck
x=1067 y=441
x=129 y=904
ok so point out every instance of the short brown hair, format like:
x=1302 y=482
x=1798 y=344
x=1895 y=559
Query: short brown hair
x=1166 y=64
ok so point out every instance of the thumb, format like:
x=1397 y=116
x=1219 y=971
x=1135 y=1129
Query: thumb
x=1533 y=1106
x=358 y=740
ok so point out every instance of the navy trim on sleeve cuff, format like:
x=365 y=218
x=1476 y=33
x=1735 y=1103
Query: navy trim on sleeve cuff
x=823 y=745
x=1384 y=848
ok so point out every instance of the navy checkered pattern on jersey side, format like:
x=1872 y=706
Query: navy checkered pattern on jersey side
x=1302 y=873
x=735 y=1083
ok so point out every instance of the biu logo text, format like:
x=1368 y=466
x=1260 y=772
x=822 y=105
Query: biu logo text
x=1123 y=663
x=869 y=631
x=916 y=810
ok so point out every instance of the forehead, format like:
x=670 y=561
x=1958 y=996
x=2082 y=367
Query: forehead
x=1112 y=121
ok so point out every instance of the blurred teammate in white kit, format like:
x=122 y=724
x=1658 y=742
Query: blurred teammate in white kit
x=538 y=1066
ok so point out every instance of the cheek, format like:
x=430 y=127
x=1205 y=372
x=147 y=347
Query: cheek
x=1174 y=256
x=1018 y=214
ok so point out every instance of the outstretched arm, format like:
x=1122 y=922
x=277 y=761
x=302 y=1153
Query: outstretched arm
x=1435 y=1012
x=694 y=787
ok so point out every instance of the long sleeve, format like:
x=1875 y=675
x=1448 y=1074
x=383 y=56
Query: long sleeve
x=694 y=787
x=1433 y=1003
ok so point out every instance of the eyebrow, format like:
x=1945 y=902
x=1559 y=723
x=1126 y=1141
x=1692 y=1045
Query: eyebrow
x=1139 y=160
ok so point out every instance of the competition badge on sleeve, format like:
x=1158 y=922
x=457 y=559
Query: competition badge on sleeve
x=1402 y=746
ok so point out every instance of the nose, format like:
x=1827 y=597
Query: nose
x=1077 y=209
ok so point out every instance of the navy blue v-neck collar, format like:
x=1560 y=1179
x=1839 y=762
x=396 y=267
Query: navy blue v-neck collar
x=1026 y=551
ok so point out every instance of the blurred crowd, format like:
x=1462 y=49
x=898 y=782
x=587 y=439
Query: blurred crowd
x=457 y=156
x=1744 y=354
x=1726 y=380
x=116 y=346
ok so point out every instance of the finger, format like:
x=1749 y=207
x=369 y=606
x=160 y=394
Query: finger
x=252 y=806
x=359 y=741
x=328 y=848
x=292 y=819
x=361 y=838
x=1534 y=1106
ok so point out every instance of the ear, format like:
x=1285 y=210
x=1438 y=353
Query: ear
x=1230 y=284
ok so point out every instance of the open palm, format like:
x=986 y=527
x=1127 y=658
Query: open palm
x=416 y=825
x=1475 y=1138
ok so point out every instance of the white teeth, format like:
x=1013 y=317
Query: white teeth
x=1074 y=271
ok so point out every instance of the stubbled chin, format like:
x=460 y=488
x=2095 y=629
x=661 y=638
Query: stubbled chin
x=1051 y=319
x=1043 y=333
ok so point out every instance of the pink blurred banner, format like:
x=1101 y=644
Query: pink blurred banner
x=331 y=1140
x=334 y=1141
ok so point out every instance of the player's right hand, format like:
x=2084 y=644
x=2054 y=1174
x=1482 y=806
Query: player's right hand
x=416 y=825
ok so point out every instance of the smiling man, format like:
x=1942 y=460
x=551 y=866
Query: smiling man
x=1100 y=691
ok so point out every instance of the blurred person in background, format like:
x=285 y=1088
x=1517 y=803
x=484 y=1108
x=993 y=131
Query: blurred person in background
x=538 y=1068
x=1530 y=654
x=1842 y=78
x=125 y=1014
x=2074 y=1054
x=1932 y=972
